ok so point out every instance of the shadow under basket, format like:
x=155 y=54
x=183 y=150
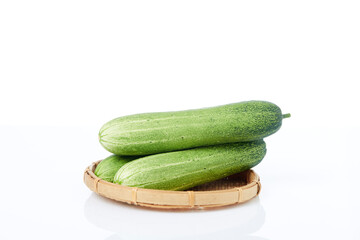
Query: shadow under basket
x=237 y=188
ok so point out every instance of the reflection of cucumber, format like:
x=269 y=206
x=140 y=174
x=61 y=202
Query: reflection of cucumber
x=149 y=133
x=107 y=168
x=184 y=169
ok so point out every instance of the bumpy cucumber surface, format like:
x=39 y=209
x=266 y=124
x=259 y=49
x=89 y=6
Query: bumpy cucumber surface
x=150 y=133
x=184 y=169
x=108 y=167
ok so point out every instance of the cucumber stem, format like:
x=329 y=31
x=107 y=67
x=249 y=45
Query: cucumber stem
x=287 y=115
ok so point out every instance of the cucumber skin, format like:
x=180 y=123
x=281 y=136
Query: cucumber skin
x=184 y=169
x=151 y=133
x=108 y=167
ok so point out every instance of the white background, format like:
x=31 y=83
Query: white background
x=67 y=67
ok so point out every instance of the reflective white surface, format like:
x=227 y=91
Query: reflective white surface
x=130 y=222
x=309 y=179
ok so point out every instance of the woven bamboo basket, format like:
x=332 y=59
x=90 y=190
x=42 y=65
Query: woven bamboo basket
x=231 y=190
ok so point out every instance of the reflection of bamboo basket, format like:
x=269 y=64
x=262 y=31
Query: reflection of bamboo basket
x=235 y=189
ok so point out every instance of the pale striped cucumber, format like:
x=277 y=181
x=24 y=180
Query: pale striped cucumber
x=149 y=133
x=184 y=169
x=108 y=167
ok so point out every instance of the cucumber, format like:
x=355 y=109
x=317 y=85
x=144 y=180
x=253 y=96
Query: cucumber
x=181 y=170
x=150 y=133
x=108 y=167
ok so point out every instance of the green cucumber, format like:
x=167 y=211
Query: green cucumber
x=150 y=133
x=181 y=170
x=108 y=167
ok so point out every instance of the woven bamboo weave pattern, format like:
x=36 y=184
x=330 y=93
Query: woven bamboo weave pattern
x=231 y=190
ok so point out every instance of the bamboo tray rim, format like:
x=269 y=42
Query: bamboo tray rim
x=165 y=199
